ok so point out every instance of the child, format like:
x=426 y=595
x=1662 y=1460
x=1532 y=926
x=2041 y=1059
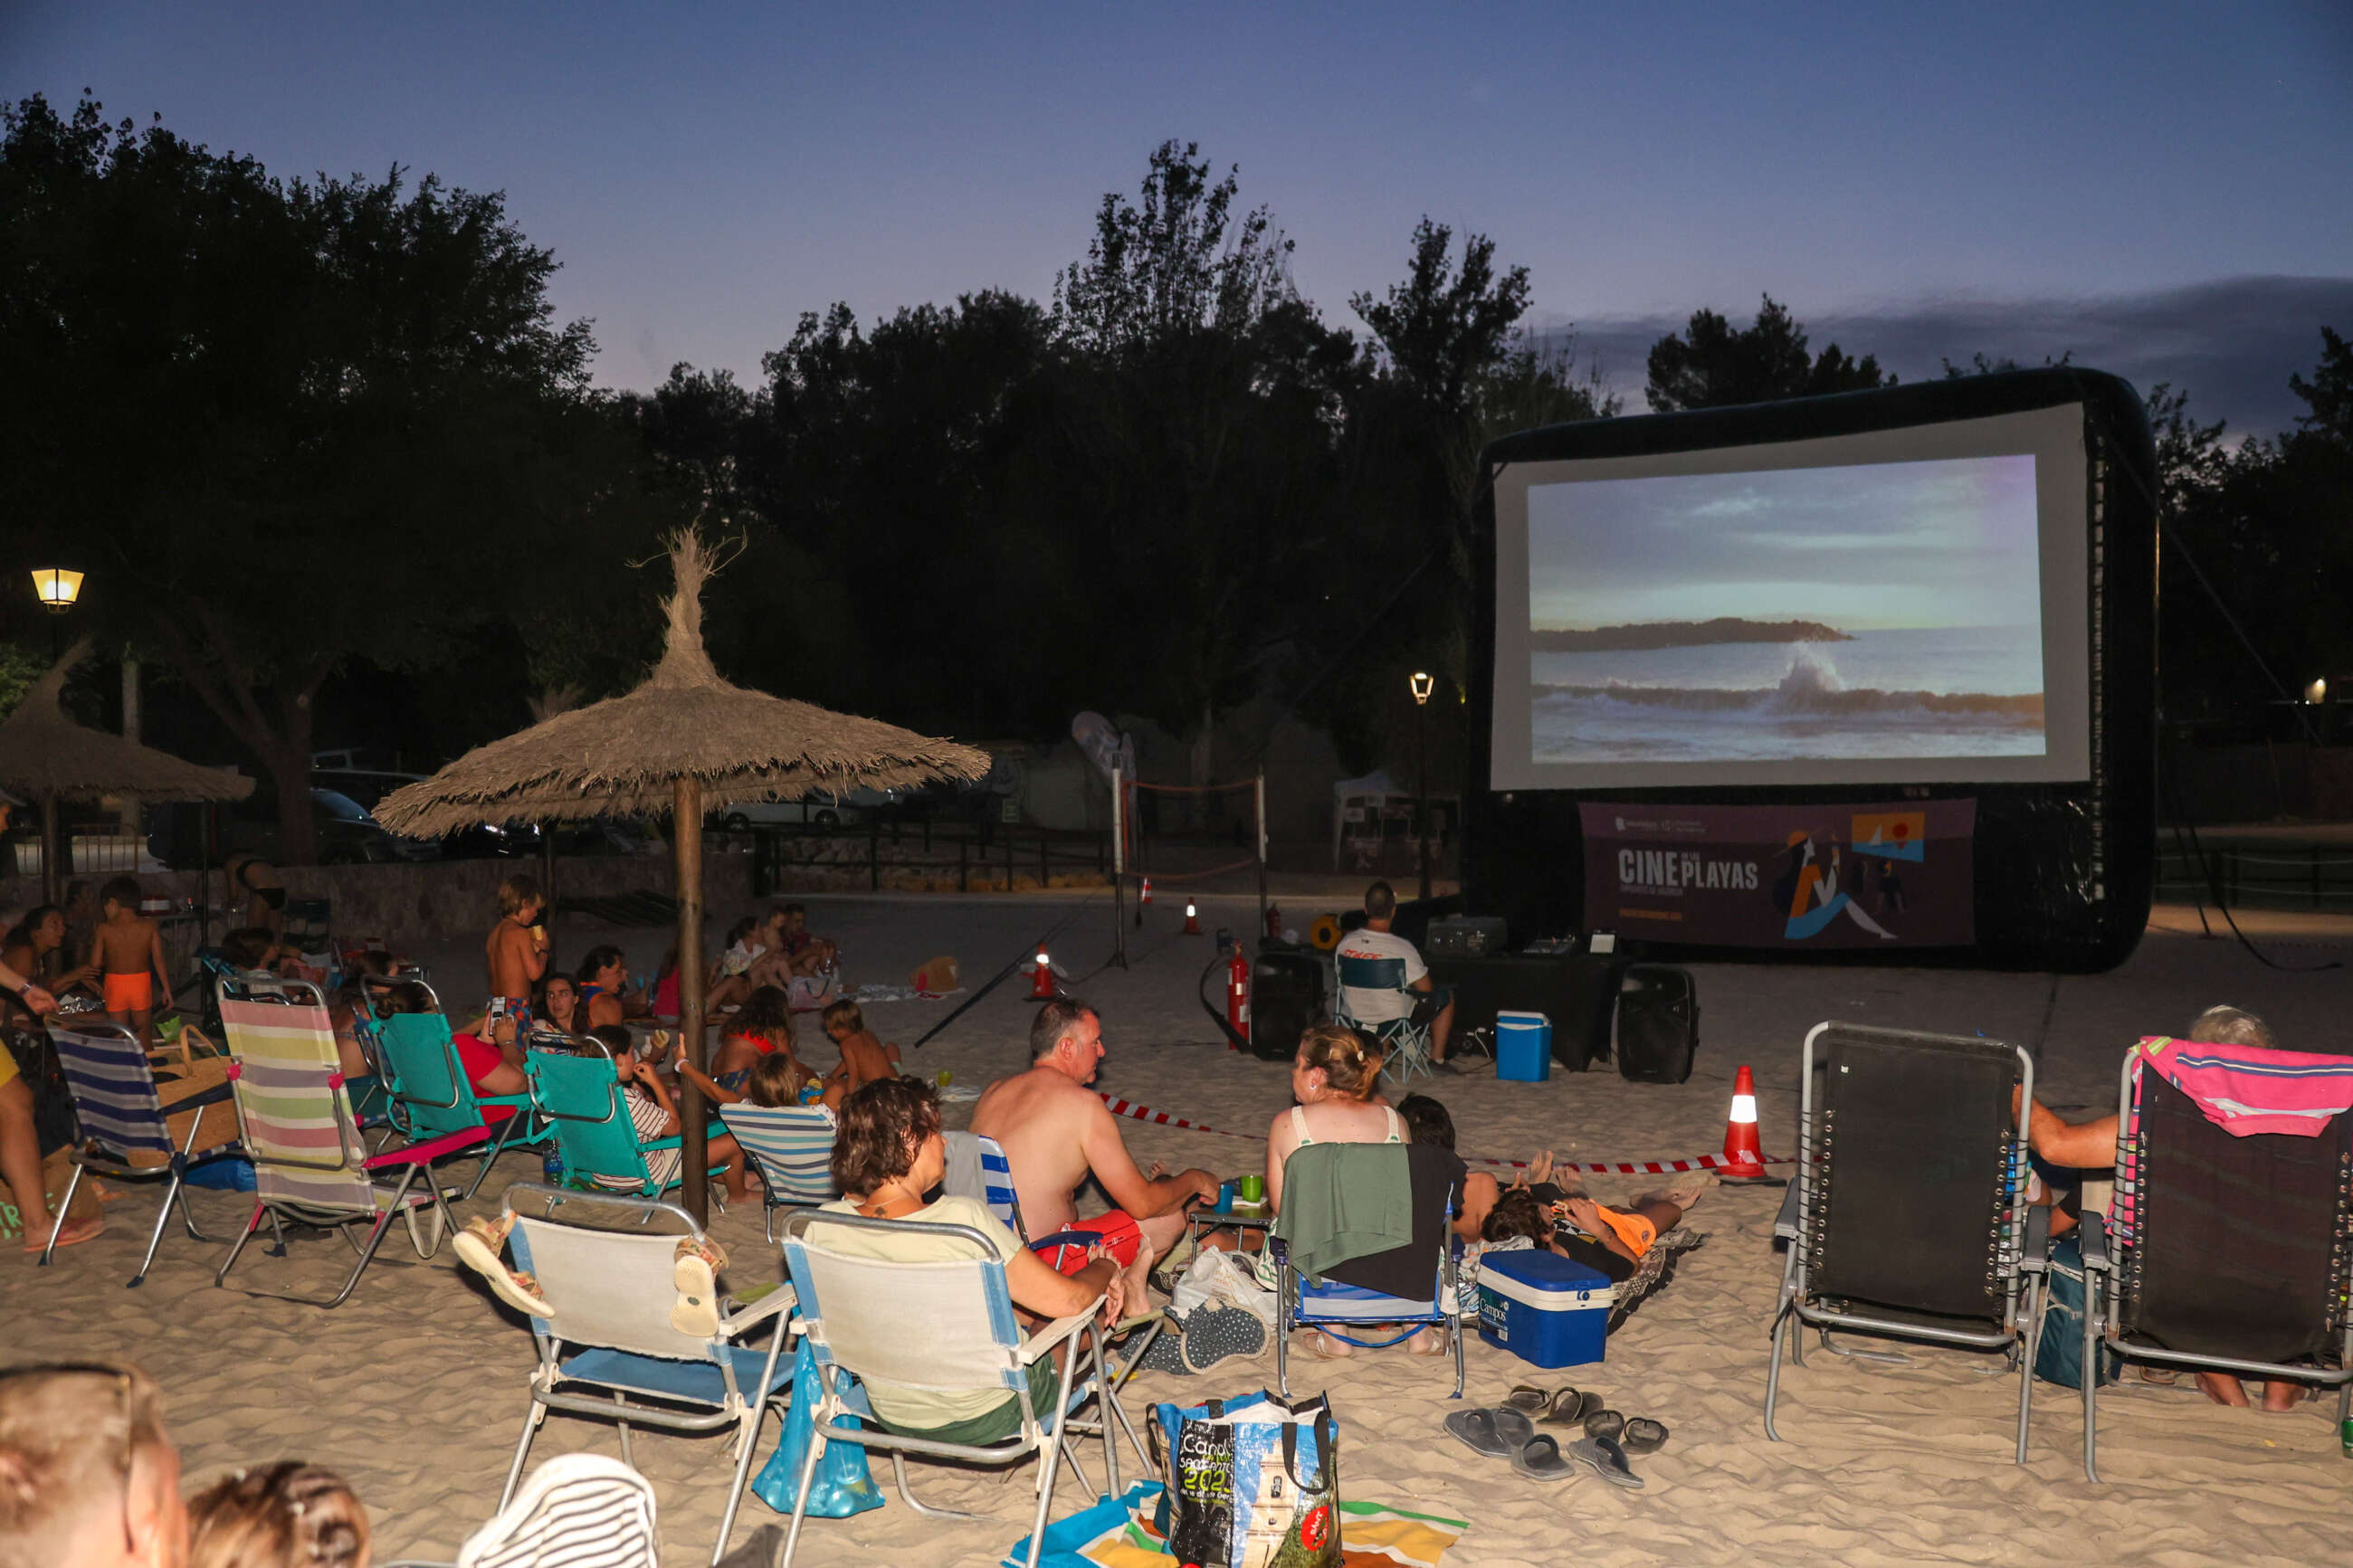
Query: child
x=864 y=1058
x=774 y=1081
x=652 y=1114
x=288 y=1515
x=517 y=948
x=127 y=950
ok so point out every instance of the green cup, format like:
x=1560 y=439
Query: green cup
x=1253 y=1189
x=947 y=1078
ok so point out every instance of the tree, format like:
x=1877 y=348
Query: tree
x=1711 y=365
x=288 y=423
x=1444 y=327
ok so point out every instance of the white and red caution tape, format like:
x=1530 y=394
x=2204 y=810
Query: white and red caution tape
x=1135 y=1112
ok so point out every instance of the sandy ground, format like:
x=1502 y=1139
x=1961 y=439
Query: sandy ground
x=414 y=1389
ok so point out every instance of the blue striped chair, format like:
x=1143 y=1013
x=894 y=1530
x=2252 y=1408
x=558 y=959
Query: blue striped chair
x=977 y=1169
x=114 y=1096
x=791 y=1146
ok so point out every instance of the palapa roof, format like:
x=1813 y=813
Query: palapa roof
x=43 y=753
x=621 y=756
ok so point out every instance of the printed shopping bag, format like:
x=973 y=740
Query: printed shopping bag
x=1250 y=1483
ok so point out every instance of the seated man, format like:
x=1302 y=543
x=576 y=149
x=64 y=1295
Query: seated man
x=1434 y=1007
x=1056 y=1132
x=88 y=1475
x=2090 y=1147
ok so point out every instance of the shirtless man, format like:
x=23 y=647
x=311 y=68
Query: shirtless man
x=1056 y=1132
x=517 y=948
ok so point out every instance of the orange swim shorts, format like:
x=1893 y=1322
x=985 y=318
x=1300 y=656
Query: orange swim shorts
x=130 y=993
x=1116 y=1232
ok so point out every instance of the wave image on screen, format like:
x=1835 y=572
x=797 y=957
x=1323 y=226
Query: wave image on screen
x=1877 y=610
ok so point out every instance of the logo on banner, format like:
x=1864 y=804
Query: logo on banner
x=1808 y=889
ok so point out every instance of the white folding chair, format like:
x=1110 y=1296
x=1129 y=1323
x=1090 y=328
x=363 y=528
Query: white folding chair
x=943 y=1326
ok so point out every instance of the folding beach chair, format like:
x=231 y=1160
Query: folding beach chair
x=1344 y=1310
x=1907 y=1218
x=430 y=1095
x=791 y=1146
x=1407 y=1042
x=577 y=1510
x=114 y=1096
x=2225 y=1251
x=309 y=1166
x=604 y=1263
x=580 y=1098
x=938 y=1326
x=977 y=1169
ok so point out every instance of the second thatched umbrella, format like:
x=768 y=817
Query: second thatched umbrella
x=684 y=742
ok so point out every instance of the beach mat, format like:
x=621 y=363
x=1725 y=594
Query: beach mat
x=1117 y=1533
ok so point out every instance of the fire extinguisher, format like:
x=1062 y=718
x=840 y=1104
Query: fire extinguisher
x=1238 y=1022
x=1274 y=921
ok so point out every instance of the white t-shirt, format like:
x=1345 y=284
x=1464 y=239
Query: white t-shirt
x=1380 y=1007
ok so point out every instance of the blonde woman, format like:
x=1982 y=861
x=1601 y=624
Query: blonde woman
x=1335 y=1077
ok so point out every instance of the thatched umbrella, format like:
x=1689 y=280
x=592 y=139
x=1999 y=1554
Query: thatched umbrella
x=684 y=742
x=47 y=756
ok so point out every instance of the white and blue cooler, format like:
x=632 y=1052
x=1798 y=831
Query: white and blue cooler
x=1543 y=1308
x=1523 y=1047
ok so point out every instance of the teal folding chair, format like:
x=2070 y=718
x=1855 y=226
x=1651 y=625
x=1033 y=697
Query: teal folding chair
x=1406 y=1042
x=579 y=1094
x=431 y=1097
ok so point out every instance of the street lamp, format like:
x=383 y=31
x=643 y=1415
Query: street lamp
x=1422 y=684
x=57 y=587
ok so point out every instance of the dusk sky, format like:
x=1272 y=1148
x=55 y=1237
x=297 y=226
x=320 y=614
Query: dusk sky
x=2168 y=189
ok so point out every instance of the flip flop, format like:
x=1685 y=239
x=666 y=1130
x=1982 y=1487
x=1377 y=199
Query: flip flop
x=696 y=1310
x=478 y=1250
x=1571 y=1409
x=1540 y=1461
x=1606 y=1459
x=70 y=1233
x=1498 y=1433
x=1605 y=1424
x=1644 y=1435
x=1530 y=1400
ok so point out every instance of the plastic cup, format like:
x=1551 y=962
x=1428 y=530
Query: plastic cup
x=1253 y=1189
x=947 y=1078
x=1225 y=1197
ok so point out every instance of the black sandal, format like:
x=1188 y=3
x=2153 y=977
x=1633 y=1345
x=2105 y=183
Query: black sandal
x=1605 y=1424
x=1569 y=1408
x=1643 y=1436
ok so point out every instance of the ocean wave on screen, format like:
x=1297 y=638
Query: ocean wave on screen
x=2023 y=710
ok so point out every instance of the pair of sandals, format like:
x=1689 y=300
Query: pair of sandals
x=695 y=1274
x=1610 y=1438
x=1503 y=1433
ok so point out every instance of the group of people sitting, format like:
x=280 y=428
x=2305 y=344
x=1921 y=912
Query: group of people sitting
x=89 y=1476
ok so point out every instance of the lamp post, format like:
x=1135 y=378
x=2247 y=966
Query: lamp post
x=57 y=587
x=1423 y=684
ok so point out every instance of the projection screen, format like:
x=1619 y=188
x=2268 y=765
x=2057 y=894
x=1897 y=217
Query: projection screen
x=1896 y=607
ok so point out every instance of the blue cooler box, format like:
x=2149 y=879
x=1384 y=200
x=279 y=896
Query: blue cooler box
x=1523 y=1047
x=1543 y=1308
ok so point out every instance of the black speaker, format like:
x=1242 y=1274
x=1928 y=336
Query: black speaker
x=1657 y=1025
x=1286 y=996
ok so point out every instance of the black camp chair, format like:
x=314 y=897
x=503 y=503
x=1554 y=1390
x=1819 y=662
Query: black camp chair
x=2237 y=1255
x=1905 y=1219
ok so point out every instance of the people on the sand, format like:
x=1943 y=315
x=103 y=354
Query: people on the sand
x=1427 y=1122
x=604 y=978
x=254 y=883
x=2091 y=1147
x=516 y=948
x=88 y=1475
x=494 y=1062
x=556 y=1010
x=762 y=1026
x=864 y=1058
x=1567 y=1221
x=35 y=948
x=127 y=950
x=1334 y=1077
x=20 y=1138
x=788 y=933
x=285 y=1515
x=1432 y=1006
x=1056 y=1132
x=888 y=1154
x=653 y=1115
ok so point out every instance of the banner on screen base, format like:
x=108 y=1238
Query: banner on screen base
x=1788 y=877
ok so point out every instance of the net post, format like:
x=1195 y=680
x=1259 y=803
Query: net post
x=1118 y=869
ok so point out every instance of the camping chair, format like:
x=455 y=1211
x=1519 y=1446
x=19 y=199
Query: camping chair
x=580 y=1097
x=114 y=1096
x=791 y=1147
x=1343 y=1309
x=2222 y=1252
x=577 y=1510
x=1407 y=1042
x=605 y=1262
x=977 y=1169
x=939 y=1326
x=1907 y=1216
x=309 y=1163
x=430 y=1095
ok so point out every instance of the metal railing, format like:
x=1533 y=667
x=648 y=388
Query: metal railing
x=2312 y=875
x=990 y=855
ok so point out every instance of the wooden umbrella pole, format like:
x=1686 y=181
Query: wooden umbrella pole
x=686 y=846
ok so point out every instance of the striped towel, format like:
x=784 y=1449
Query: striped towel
x=2243 y=1090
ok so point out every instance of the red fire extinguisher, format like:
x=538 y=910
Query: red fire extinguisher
x=1238 y=972
x=1274 y=921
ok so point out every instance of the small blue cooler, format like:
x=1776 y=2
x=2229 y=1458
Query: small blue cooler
x=1523 y=1047
x=1543 y=1308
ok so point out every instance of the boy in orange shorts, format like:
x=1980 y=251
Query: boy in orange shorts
x=128 y=953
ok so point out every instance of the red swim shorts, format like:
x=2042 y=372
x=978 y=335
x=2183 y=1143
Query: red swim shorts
x=1067 y=1249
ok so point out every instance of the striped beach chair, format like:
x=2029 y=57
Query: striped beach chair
x=791 y=1147
x=310 y=1165
x=122 y=1117
x=978 y=1168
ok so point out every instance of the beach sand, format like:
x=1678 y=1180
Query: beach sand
x=414 y=1389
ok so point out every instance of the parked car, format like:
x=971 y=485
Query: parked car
x=824 y=809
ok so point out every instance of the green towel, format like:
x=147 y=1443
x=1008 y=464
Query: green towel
x=1344 y=1200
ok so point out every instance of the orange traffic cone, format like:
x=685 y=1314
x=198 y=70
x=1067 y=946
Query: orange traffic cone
x=1041 y=979
x=1192 y=920
x=1146 y=901
x=1744 y=1159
